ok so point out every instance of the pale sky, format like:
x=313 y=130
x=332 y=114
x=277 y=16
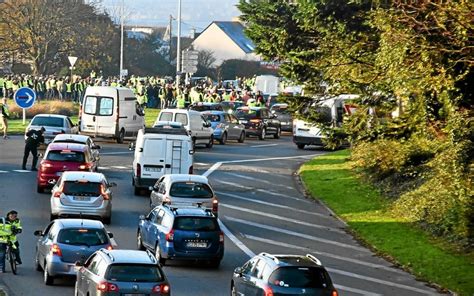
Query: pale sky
x=194 y=13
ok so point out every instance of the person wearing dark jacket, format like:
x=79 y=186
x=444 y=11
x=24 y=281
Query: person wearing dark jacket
x=33 y=139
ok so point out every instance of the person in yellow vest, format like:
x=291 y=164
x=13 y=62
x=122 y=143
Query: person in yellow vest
x=15 y=227
x=251 y=103
x=68 y=91
x=226 y=97
x=141 y=94
x=5 y=233
x=4 y=116
x=180 y=100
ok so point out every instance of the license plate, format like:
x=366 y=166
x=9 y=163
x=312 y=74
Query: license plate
x=81 y=198
x=155 y=170
x=196 y=245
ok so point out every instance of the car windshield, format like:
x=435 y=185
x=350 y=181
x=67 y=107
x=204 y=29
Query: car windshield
x=213 y=117
x=299 y=277
x=61 y=155
x=196 y=224
x=83 y=237
x=247 y=113
x=69 y=141
x=190 y=189
x=47 y=121
x=134 y=273
x=81 y=188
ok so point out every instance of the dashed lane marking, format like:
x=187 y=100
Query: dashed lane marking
x=21 y=171
x=120 y=167
x=275 y=205
x=294 y=233
x=3 y=172
x=357 y=291
x=279 y=217
x=260 y=180
x=261 y=146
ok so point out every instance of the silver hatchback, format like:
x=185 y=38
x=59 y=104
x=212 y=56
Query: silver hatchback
x=64 y=242
x=83 y=194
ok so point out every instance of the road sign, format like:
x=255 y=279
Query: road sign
x=124 y=72
x=190 y=55
x=72 y=60
x=190 y=63
x=189 y=69
x=25 y=97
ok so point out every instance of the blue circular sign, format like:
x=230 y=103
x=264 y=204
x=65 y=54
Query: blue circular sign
x=25 y=97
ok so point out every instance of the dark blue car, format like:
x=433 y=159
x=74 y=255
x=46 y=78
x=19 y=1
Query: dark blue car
x=181 y=234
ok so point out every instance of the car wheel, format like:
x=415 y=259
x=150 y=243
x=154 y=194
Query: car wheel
x=47 y=278
x=139 y=241
x=263 y=134
x=300 y=146
x=137 y=190
x=121 y=136
x=211 y=142
x=39 y=189
x=37 y=263
x=278 y=133
x=242 y=137
x=158 y=255
x=223 y=139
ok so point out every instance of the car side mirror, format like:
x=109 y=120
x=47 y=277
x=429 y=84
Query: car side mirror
x=238 y=271
x=111 y=235
x=38 y=233
x=142 y=217
x=112 y=184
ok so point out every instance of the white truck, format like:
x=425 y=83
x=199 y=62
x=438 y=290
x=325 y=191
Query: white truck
x=166 y=149
x=305 y=133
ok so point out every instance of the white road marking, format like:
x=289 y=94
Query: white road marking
x=201 y=163
x=21 y=171
x=235 y=240
x=293 y=233
x=266 y=145
x=104 y=168
x=342 y=258
x=357 y=291
x=278 y=217
x=120 y=167
x=263 y=191
x=260 y=180
x=3 y=171
x=114 y=153
x=212 y=169
x=275 y=205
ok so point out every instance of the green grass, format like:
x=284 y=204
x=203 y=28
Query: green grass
x=15 y=126
x=330 y=179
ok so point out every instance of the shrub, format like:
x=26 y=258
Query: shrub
x=52 y=107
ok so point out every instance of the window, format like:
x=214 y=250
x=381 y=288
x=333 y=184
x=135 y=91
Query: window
x=258 y=271
x=166 y=116
x=300 y=277
x=94 y=266
x=60 y=155
x=90 y=105
x=159 y=217
x=213 y=117
x=48 y=121
x=248 y=114
x=196 y=224
x=181 y=117
x=247 y=268
x=69 y=122
x=83 y=237
x=106 y=106
x=191 y=189
x=81 y=188
x=152 y=216
x=134 y=273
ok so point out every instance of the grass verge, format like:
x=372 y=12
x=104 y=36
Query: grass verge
x=330 y=179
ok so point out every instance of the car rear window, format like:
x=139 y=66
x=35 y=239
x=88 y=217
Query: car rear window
x=166 y=116
x=196 y=224
x=300 y=277
x=83 y=237
x=66 y=155
x=81 y=188
x=190 y=189
x=213 y=117
x=48 y=121
x=248 y=114
x=134 y=273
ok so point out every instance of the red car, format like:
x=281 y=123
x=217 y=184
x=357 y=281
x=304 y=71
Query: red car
x=60 y=157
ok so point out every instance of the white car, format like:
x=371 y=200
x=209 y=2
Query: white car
x=53 y=124
x=184 y=190
x=82 y=194
x=79 y=139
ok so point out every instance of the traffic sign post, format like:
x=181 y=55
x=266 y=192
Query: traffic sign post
x=72 y=61
x=25 y=98
x=189 y=61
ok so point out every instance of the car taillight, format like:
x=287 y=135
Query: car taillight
x=334 y=293
x=84 y=167
x=107 y=287
x=59 y=191
x=164 y=289
x=56 y=250
x=139 y=170
x=267 y=291
x=255 y=120
x=170 y=235
x=215 y=205
x=103 y=192
x=221 y=237
x=109 y=247
x=191 y=169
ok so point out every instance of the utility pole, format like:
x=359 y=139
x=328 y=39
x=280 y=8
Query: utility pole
x=121 y=40
x=178 y=49
x=171 y=35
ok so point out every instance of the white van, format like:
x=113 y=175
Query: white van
x=333 y=109
x=197 y=126
x=160 y=151
x=110 y=112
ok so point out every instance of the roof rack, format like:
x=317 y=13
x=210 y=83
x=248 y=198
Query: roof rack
x=271 y=257
x=314 y=259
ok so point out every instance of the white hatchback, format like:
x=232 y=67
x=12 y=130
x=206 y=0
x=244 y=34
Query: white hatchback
x=53 y=124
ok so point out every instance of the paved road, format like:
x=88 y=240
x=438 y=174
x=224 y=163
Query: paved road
x=261 y=210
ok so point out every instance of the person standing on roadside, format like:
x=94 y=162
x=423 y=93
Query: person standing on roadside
x=33 y=139
x=5 y=232
x=4 y=116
